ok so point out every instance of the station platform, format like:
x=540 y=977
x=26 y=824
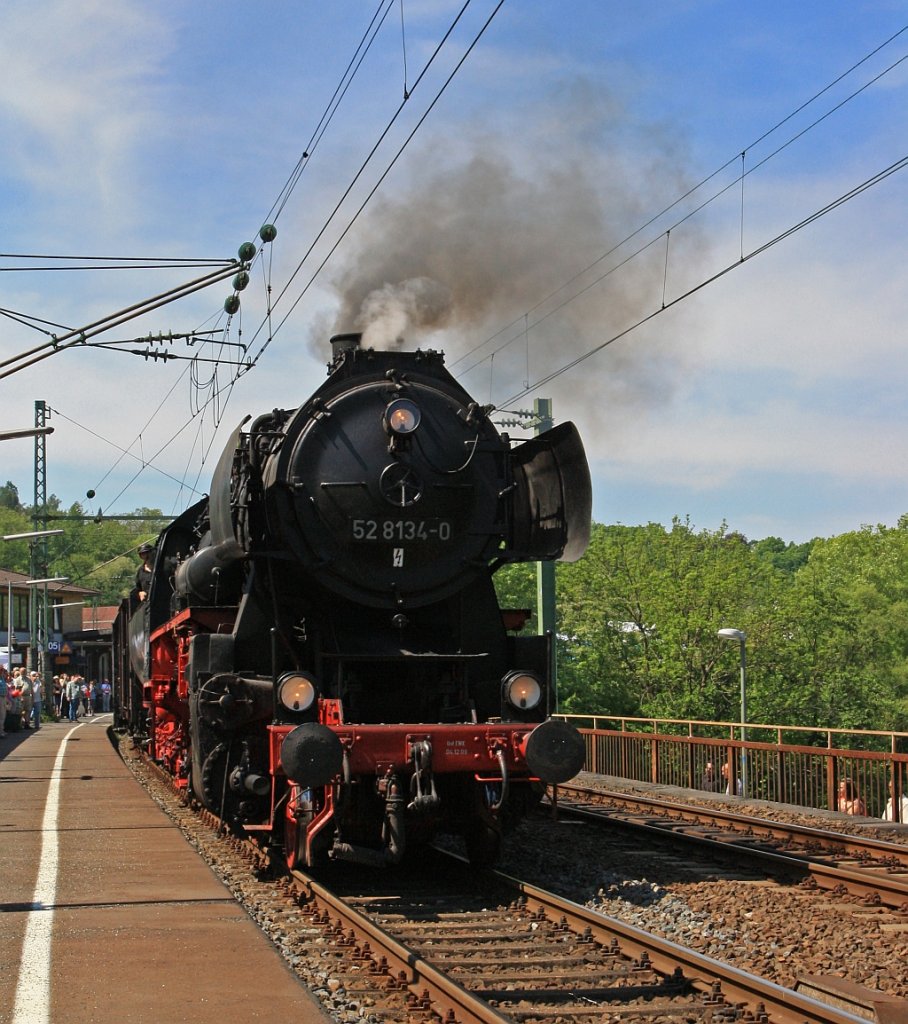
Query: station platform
x=106 y=912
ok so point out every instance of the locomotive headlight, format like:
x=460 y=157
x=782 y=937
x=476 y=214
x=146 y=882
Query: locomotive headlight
x=521 y=690
x=296 y=691
x=402 y=416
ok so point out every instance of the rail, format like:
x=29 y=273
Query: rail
x=764 y=762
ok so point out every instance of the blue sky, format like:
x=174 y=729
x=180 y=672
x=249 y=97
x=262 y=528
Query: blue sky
x=522 y=228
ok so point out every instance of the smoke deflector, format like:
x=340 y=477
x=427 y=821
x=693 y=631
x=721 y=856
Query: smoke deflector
x=552 y=500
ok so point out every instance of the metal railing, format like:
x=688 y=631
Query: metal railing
x=807 y=767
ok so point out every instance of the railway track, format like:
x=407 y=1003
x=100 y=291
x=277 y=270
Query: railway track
x=514 y=952
x=864 y=866
x=439 y=942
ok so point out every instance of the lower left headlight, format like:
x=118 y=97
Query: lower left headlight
x=297 y=691
x=522 y=690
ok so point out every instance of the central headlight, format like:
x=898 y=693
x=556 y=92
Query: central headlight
x=402 y=416
x=296 y=691
x=522 y=690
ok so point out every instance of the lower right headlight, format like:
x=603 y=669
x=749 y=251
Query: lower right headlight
x=522 y=690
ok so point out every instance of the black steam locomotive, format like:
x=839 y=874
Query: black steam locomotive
x=321 y=657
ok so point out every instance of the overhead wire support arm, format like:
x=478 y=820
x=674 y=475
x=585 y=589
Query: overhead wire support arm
x=80 y=336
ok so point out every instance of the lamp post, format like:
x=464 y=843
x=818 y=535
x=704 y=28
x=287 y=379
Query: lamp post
x=10 y=635
x=741 y=637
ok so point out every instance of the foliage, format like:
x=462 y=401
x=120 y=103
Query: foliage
x=788 y=557
x=9 y=495
x=99 y=555
x=845 y=656
x=826 y=625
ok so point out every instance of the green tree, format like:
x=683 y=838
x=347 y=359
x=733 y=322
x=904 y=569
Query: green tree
x=842 y=657
x=99 y=554
x=787 y=557
x=645 y=605
x=9 y=496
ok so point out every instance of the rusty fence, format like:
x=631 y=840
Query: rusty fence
x=807 y=767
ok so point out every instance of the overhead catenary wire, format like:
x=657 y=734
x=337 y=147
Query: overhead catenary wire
x=225 y=390
x=65 y=264
x=705 y=181
x=346 y=79
x=220 y=395
x=378 y=183
x=80 y=335
x=852 y=193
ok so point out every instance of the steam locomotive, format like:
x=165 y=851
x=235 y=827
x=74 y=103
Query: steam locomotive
x=321 y=659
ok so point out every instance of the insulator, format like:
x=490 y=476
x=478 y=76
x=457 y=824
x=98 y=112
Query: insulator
x=241 y=280
x=246 y=251
x=232 y=304
x=268 y=232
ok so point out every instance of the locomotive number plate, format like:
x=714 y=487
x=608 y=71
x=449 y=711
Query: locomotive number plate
x=400 y=529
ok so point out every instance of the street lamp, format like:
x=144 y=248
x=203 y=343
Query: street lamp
x=741 y=637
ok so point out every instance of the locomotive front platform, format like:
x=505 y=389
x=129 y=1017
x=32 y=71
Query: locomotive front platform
x=108 y=914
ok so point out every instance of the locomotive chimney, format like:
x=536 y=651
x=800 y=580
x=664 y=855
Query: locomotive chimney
x=341 y=343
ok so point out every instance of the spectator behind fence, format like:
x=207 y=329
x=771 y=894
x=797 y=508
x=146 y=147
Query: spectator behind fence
x=849 y=801
x=739 y=788
x=709 y=780
x=892 y=804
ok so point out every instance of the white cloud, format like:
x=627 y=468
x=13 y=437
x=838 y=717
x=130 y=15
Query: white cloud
x=78 y=99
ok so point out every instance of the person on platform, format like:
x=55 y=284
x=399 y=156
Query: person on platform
x=37 y=694
x=64 y=696
x=892 y=805
x=4 y=689
x=144 y=573
x=709 y=780
x=74 y=693
x=25 y=694
x=849 y=801
x=105 y=695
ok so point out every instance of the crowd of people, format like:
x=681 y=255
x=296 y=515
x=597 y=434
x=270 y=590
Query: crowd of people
x=74 y=697
x=71 y=697
x=29 y=689
x=848 y=799
x=719 y=782
x=850 y=802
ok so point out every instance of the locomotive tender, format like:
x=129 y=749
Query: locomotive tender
x=321 y=659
